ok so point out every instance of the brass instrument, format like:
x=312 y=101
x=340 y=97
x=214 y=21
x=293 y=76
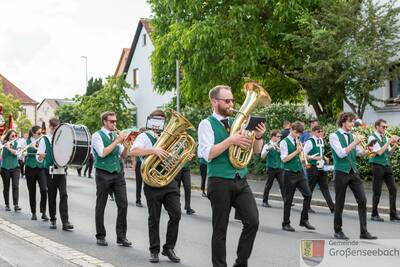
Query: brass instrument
x=255 y=95
x=303 y=157
x=157 y=172
x=395 y=137
x=132 y=134
x=364 y=145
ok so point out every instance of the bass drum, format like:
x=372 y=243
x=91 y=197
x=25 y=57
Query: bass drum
x=71 y=145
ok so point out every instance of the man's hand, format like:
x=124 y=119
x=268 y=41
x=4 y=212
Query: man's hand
x=190 y=157
x=241 y=140
x=260 y=130
x=299 y=149
x=358 y=139
x=160 y=152
x=317 y=158
x=121 y=137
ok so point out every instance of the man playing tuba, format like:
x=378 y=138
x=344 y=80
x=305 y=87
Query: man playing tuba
x=227 y=186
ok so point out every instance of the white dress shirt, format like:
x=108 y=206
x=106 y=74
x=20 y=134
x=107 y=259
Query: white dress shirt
x=42 y=146
x=143 y=141
x=309 y=145
x=284 y=147
x=376 y=146
x=206 y=137
x=97 y=142
x=337 y=147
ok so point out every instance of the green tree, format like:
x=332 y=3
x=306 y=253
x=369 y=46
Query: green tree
x=12 y=106
x=67 y=113
x=23 y=123
x=94 y=85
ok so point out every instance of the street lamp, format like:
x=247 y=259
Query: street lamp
x=85 y=58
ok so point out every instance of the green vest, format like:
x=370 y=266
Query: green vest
x=112 y=162
x=202 y=161
x=315 y=150
x=274 y=159
x=381 y=159
x=10 y=160
x=30 y=159
x=347 y=163
x=48 y=159
x=293 y=165
x=153 y=141
x=221 y=165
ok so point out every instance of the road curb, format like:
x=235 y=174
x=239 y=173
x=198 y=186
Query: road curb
x=66 y=253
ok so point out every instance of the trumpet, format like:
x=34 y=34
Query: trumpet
x=366 y=147
x=396 y=138
x=303 y=157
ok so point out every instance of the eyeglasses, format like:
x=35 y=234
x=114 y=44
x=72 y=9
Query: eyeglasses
x=227 y=100
x=320 y=131
x=279 y=136
x=384 y=126
x=112 y=121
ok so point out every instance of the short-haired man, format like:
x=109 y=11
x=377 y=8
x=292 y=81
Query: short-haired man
x=293 y=177
x=307 y=134
x=286 y=129
x=345 y=148
x=381 y=170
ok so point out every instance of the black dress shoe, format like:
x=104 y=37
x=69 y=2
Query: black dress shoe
x=67 y=226
x=124 y=242
x=288 y=227
x=377 y=218
x=203 y=194
x=310 y=210
x=190 y=211
x=265 y=204
x=340 y=235
x=53 y=225
x=33 y=218
x=170 y=253
x=395 y=218
x=102 y=242
x=8 y=208
x=139 y=204
x=367 y=235
x=154 y=258
x=17 y=208
x=307 y=225
x=44 y=217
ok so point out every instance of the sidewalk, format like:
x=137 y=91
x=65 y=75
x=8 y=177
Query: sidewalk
x=258 y=188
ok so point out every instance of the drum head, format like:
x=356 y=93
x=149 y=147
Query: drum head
x=63 y=144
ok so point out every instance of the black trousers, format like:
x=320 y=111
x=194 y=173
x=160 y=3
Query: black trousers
x=293 y=181
x=33 y=175
x=89 y=166
x=183 y=176
x=383 y=174
x=318 y=176
x=21 y=166
x=203 y=174
x=110 y=183
x=13 y=176
x=139 y=181
x=352 y=180
x=273 y=174
x=225 y=194
x=157 y=197
x=57 y=182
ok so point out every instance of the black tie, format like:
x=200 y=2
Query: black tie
x=226 y=124
x=111 y=137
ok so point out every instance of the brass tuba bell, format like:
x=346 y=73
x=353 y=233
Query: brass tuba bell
x=180 y=146
x=255 y=95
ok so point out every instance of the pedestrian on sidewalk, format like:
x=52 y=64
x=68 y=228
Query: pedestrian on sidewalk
x=109 y=153
x=55 y=178
x=10 y=170
x=271 y=152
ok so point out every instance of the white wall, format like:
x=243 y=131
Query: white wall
x=145 y=99
x=44 y=113
x=30 y=111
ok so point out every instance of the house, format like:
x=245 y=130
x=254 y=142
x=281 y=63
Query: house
x=45 y=110
x=122 y=62
x=139 y=75
x=388 y=109
x=28 y=104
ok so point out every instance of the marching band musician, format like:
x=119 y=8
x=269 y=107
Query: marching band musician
x=167 y=196
x=55 y=178
x=345 y=148
x=227 y=186
x=271 y=151
x=314 y=149
x=33 y=174
x=381 y=170
x=10 y=170
x=108 y=151
x=293 y=177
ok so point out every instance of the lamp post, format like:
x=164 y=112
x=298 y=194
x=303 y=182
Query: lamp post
x=85 y=58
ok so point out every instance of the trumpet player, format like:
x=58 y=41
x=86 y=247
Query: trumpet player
x=10 y=170
x=314 y=149
x=381 y=170
x=227 y=186
x=109 y=152
x=272 y=153
x=345 y=148
x=293 y=177
x=167 y=196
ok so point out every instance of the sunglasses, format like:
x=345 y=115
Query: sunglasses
x=112 y=121
x=227 y=100
x=384 y=126
x=279 y=136
x=320 y=131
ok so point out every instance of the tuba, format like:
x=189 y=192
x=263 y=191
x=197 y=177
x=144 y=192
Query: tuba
x=255 y=95
x=180 y=146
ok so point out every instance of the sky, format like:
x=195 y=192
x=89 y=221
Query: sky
x=41 y=42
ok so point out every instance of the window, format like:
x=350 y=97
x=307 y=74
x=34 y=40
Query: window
x=144 y=40
x=394 y=87
x=135 y=78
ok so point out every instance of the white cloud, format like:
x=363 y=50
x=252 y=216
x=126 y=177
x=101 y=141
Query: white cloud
x=41 y=42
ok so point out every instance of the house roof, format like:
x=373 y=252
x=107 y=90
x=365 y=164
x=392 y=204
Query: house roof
x=122 y=61
x=55 y=102
x=143 y=22
x=10 y=89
